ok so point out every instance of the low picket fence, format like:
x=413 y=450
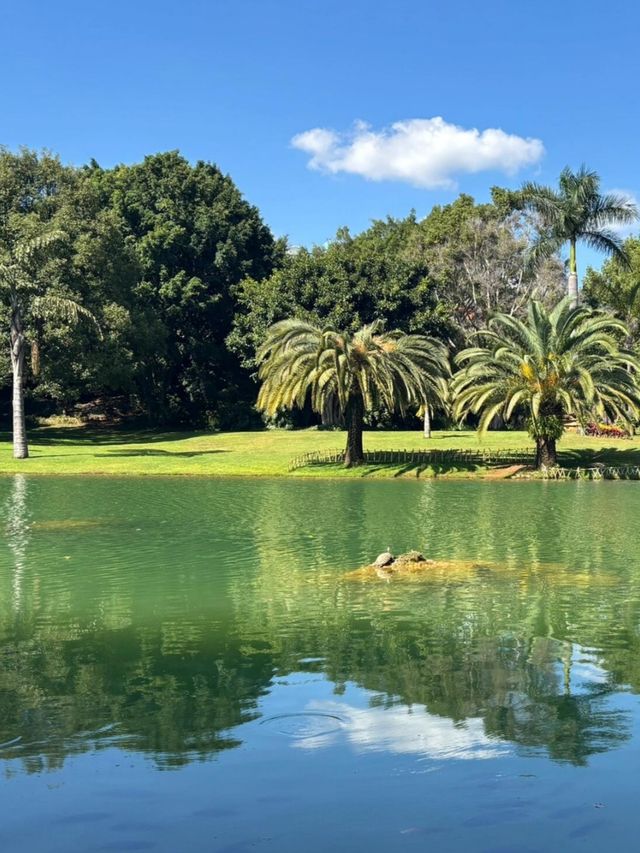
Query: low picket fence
x=418 y=458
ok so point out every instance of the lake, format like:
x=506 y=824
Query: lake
x=184 y=665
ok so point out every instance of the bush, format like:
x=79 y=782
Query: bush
x=606 y=430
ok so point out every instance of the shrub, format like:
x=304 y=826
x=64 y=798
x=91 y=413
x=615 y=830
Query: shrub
x=606 y=430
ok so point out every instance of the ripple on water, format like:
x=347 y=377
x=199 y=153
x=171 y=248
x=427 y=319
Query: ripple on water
x=304 y=725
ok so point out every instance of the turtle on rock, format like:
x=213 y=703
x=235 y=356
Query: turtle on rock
x=384 y=559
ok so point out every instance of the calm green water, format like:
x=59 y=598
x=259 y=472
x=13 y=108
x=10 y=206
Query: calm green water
x=183 y=666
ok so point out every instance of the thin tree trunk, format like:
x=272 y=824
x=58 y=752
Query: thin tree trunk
x=572 y=284
x=546 y=454
x=427 y=421
x=20 y=448
x=354 y=416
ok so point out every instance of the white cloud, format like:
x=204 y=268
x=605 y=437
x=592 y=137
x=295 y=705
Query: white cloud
x=424 y=152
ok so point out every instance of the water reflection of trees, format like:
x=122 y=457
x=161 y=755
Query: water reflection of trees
x=178 y=683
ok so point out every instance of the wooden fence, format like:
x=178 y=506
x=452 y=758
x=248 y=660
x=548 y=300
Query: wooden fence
x=435 y=458
x=418 y=458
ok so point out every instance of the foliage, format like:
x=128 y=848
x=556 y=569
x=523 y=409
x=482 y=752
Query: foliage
x=194 y=239
x=616 y=287
x=153 y=250
x=441 y=276
x=606 y=430
x=348 y=374
x=561 y=362
x=185 y=279
x=578 y=212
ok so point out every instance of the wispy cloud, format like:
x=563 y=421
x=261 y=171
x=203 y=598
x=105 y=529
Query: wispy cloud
x=424 y=152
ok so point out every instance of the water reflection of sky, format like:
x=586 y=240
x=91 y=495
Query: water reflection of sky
x=320 y=720
x=407 y=731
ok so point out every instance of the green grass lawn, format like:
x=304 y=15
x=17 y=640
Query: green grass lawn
x=97 y=451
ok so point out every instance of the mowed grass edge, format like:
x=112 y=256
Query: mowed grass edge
x=74 y=451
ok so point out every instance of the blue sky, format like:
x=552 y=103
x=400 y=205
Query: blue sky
x=235 y=81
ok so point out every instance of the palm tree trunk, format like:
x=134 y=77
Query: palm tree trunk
x=572 y=284
x=20 y=448
x=546 y=454
x=427 y=421
x=354 y=416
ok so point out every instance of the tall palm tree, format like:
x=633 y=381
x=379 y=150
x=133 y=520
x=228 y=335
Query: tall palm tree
x=352 y=373
x=566 y=361
x=577 y=212
x=28 y=301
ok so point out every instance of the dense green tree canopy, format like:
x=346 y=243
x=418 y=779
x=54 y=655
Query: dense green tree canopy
x=443 y=275
x=185 y=279
x=154 y=250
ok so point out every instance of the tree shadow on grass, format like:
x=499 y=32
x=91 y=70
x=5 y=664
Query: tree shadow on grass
x=615 y=456
x=439 y=469
x=117 y=454
x=60 y=436
x=124 y=453
x=434 y=469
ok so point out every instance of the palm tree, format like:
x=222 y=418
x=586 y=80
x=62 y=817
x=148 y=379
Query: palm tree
x=617 y=288
x=577 y=212
x=29 y=302
x=350 y=373
x=566 y=361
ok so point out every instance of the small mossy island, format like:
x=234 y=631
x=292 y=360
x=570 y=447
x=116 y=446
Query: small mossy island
x=413 y=565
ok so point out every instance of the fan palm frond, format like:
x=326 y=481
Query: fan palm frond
x=371 y=368
x=553 y=363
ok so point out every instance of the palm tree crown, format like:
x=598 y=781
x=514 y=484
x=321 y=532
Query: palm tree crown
x=577 y=212
x=554 y=363
x=352 y=373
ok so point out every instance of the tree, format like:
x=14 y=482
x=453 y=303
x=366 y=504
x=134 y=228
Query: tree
x=154 y=250
x=349 y=373
x=476 y=258
x=566 y=361
x=443 y=275
x=577 y=212
x=616 y=287
x=194 y=238
x=28 y=300
x=353 y=281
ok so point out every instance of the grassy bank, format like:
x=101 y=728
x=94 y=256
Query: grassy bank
x=85 y=451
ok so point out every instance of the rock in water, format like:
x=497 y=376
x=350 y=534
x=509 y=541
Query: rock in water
x=411 y=557
x=384 y=559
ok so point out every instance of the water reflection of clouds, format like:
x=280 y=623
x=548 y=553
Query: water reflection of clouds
x=407 y=732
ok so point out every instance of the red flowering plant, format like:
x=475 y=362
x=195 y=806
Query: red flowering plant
x=606 y=430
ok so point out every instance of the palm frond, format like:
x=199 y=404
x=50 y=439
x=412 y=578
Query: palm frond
x=53 y=307
x=392 y=369
x=565 y=360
